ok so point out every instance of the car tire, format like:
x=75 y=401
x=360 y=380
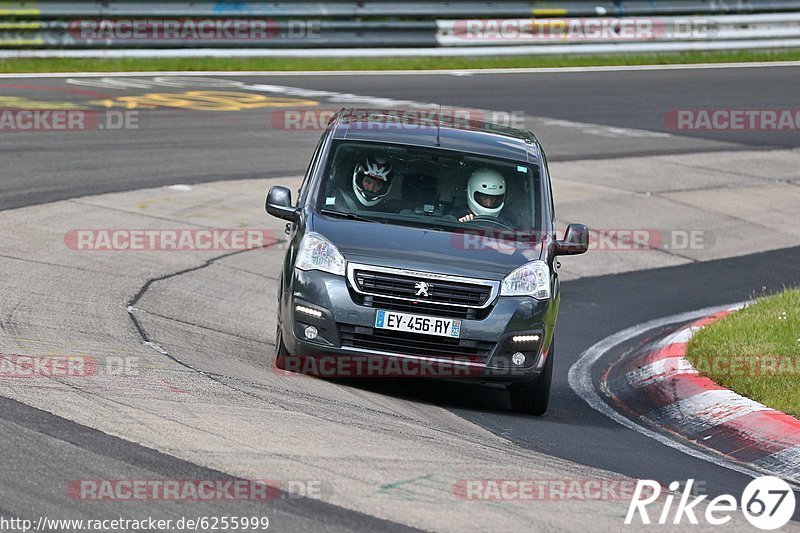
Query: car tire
x=280 y=350
x=533 y=398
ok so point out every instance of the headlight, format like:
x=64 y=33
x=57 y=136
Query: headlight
x=532 y=279
x=318 y=253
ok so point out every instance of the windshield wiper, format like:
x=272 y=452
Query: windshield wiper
x=348 y=216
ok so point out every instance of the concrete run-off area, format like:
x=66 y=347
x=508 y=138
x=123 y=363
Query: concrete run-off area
x=649 y=212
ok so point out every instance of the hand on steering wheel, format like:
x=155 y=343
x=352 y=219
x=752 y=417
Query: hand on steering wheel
x=484 y=218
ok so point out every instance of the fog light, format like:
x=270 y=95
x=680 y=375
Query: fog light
x=518 y=358
x=308 y=311
x=310 y=333
x=525 y=338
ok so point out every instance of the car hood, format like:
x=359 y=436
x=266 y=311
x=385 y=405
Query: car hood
x=423 y=249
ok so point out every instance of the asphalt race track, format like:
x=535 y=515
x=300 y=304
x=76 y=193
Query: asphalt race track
x=579 y=116
x=185 y=145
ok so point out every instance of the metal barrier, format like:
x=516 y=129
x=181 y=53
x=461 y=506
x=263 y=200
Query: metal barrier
x=389 y=8
x=218 y=33
x=531 y=32
x=392 y=28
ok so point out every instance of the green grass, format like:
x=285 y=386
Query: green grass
x=755 y=351
x=402 y=63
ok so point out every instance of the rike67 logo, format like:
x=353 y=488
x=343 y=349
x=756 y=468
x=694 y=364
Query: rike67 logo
x=768 y=503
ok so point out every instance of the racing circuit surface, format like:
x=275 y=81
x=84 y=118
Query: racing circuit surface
x=207 y=406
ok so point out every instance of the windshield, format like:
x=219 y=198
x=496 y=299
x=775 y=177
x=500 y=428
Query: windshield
x=434 y=188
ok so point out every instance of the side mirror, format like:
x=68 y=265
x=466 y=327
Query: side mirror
x=576 y=241
x=279 y=204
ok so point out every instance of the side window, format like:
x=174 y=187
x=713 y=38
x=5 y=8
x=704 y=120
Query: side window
x=302 y=192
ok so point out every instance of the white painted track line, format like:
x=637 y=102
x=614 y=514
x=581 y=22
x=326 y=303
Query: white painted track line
x=457 y=72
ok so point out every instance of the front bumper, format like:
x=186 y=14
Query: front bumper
x=345 y=330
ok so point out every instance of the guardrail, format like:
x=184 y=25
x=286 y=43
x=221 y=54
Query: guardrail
x=532 y=32
x=217 y=33
x=389 y=8
x=444 y=33
x=342 y=28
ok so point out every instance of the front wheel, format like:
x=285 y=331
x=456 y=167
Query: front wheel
x=533 y=398
x=280 y=350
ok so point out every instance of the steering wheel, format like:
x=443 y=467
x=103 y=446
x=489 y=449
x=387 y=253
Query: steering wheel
x=498 y=221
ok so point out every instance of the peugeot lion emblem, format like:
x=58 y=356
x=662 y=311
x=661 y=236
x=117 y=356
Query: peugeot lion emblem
x=422 y=288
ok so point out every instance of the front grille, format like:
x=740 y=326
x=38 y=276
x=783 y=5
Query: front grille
x=413 y=343
x=439 y=291
x=421 y=308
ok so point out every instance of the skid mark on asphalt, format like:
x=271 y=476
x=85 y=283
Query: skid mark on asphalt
x=423 y=488
x=246 y=271
x=193 y=324
x=50 y=264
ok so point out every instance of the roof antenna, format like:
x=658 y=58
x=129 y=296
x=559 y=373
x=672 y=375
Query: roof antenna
x=438 y=121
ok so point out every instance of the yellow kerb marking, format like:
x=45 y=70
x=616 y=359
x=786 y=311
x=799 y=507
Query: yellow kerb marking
x=21 y=25
x=204 y=101
x=20 y=9
x=22 y=42
x=19 y=12
x=24 y=103
x=549 y=12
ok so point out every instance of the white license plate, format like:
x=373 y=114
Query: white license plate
x=427 y=325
